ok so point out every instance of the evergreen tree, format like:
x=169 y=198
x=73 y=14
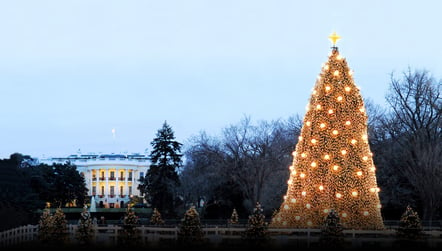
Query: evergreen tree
x=60 y=228
x=332 y=235
x=332 y=164
x=18 y=201
x=58 y=184
x=256 y=230
x=156 y=218
x=161 y=180
x=130 y=234
x=234 y=218
x=45 y=226
x=190 y=230
x=410 y=226
x=85 y=230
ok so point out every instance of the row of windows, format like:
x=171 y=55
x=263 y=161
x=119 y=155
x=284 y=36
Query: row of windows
x=112 y=190
x=112 y=175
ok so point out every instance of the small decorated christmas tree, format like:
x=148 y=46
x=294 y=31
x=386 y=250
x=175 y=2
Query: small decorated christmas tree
x=156 y=218
x=256 y=230
x=45 y=226
x=234 y=219
x=332 y=234
x=130 y=234
x=60 y=227
x=190 y=230
x=410 y=226
x=85 y=230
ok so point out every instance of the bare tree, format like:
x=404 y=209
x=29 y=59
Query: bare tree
x=396 y=191
x=251 y=158
x=414 y=126
x=259 y=154
x=204 y=159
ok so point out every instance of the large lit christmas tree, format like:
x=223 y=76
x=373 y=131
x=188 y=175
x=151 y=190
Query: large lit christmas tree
x=332 y=165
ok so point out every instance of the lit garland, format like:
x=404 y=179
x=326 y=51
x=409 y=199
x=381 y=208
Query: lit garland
x=332 y=165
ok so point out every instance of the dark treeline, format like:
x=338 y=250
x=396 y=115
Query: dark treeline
x=26 y=187
x=407 y=142
x=248 y=163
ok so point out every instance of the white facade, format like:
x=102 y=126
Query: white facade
x=111 y=178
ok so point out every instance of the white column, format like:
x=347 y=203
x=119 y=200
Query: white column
x=89 y=180
x=126 y=177
x=106 y=187
x=134 y=175
x=97 y=186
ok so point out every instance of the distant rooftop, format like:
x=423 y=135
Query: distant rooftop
x=110 y=156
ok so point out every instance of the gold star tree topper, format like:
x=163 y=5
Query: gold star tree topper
x=334 y=38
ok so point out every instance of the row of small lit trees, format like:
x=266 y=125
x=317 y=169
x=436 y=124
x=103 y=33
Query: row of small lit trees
x=53 y=227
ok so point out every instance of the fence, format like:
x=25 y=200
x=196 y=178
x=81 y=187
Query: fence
x=108 y=235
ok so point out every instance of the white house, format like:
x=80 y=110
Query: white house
x=111 y=178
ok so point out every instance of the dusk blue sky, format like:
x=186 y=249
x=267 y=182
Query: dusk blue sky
x=72 y=70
